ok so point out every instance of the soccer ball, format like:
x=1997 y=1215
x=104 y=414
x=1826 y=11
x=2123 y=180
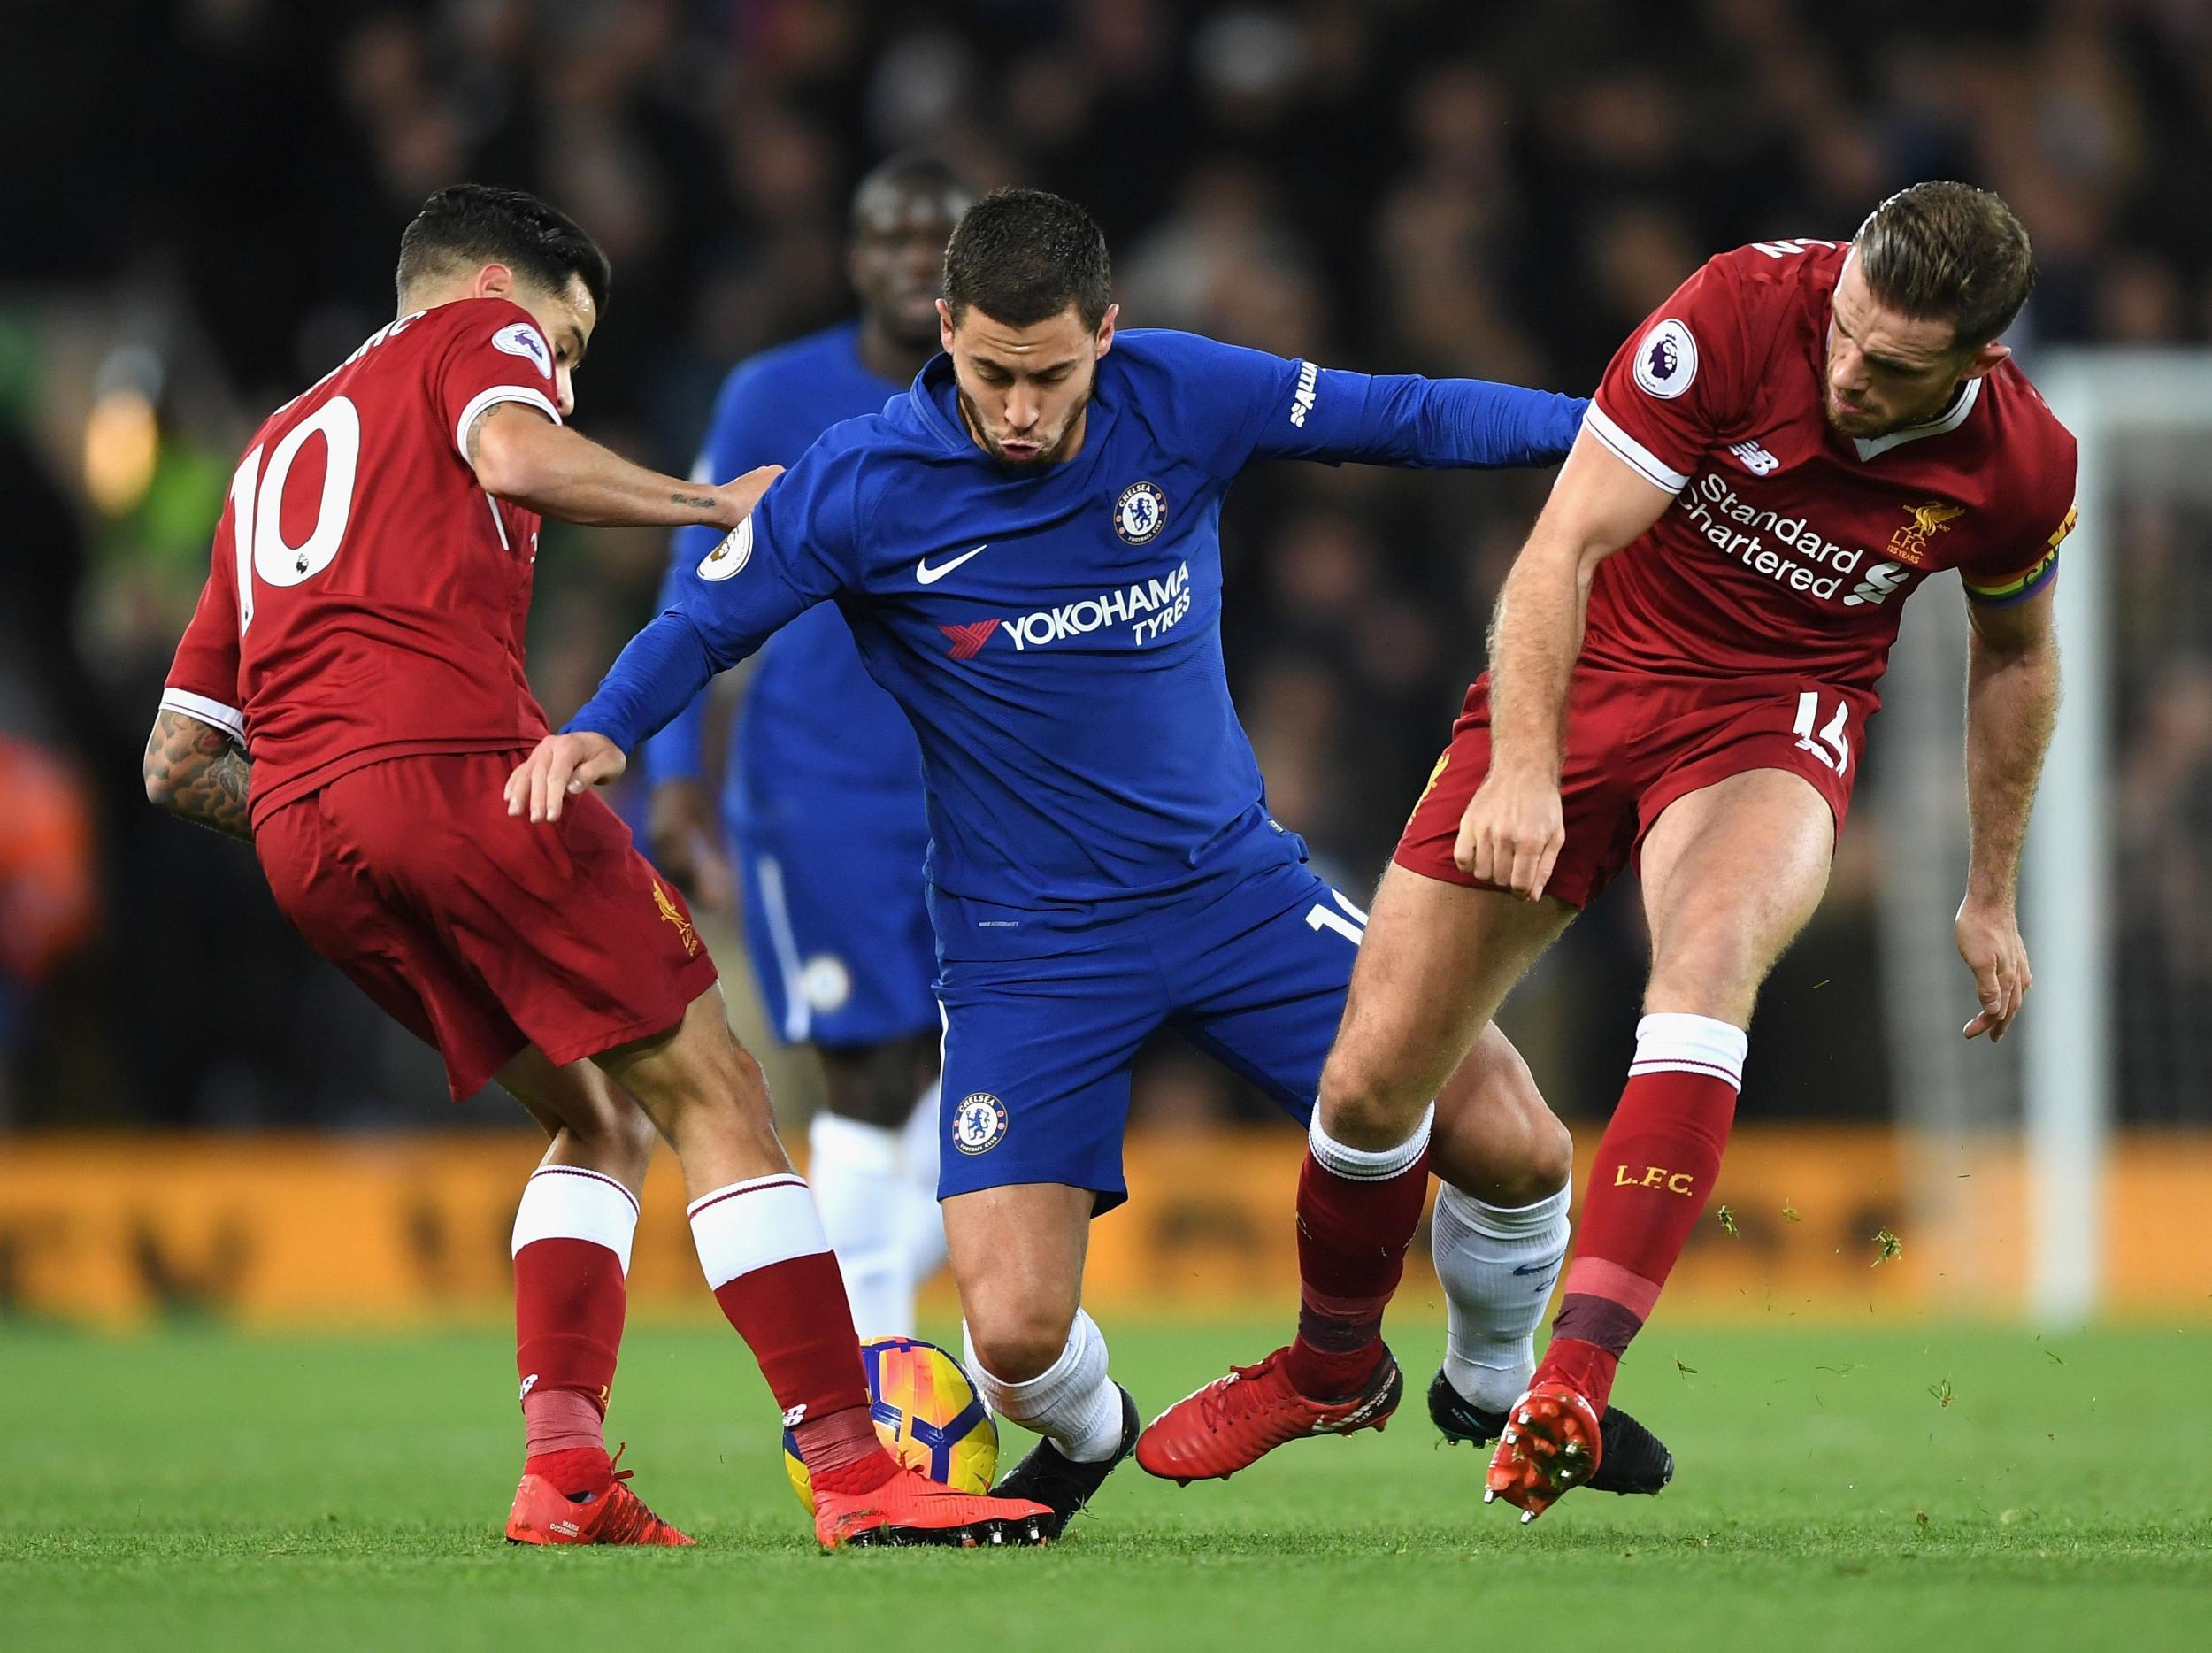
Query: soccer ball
x=927 y=1413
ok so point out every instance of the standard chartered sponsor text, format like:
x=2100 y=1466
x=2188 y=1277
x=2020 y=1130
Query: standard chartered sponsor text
x=1806 y=561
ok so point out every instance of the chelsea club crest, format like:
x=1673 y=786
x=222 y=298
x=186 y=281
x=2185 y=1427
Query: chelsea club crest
x=979 y=1124
x=1140 y=512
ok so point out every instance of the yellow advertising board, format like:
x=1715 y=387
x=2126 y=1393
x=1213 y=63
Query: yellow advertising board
x=394 y=1230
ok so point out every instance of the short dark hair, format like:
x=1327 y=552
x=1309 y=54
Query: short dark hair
x=1022 y=257
x=479 y=224
x=911 y=169
x=1947 y=251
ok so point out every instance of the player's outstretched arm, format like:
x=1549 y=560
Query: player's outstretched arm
x=2011 y=707
x=791 y=553
x=1404 y=419
x=663 y=667
x=1246 y=406
x=1513 y=829
x=193 y=769
x=522 y=455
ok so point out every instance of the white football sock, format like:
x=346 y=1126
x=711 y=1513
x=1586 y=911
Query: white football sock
x=1497 y=1265
x=853 y=1169
x=921 y=1224
x=746 y=1226
x=573 y=1203
x=1369 y=1165
x=1072 y=1404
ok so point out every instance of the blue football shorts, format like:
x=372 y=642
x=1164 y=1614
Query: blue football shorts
x=1044 y=1013
x=836 y=925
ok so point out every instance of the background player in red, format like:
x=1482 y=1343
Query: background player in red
x=1683 y=664
x=349 y=696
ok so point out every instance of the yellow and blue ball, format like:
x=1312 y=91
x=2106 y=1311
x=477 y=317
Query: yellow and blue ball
x=927 y=1414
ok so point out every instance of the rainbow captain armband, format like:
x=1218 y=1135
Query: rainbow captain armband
x=2018 y=587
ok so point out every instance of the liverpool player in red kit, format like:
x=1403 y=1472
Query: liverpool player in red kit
x=1683 y=664
x=348 y=697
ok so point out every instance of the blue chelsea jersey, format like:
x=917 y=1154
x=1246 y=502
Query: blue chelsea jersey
x=1054 y=635
x=813 y=722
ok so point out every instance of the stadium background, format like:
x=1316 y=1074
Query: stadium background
x=194 y=1114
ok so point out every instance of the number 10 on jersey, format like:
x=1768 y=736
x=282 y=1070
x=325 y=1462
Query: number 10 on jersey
x=256 y=504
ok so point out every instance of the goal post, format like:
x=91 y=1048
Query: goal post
x=2143 y=418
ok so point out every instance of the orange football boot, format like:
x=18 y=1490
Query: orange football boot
x=911 y=1509
x=1551 y=1444
x=543 y=1514
x=1237 y=1420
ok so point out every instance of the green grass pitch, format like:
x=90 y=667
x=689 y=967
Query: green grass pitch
x=198 y=1488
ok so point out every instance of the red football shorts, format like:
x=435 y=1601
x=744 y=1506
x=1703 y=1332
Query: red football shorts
x=1635 y=743
x=481 y=934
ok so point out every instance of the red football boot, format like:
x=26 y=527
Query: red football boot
x=1551 y=1443
x=910 y=1509
x=1239 y=1420
x=543 y=1514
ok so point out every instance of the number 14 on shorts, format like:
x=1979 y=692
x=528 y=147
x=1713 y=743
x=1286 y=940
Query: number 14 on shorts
x=1832 y=746
x=1351 y=924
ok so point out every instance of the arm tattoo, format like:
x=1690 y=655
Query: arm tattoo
x=476 y=427
x=697 y=502
x=193 y=770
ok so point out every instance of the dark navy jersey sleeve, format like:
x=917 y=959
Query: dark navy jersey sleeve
x=743 y=434
x=1255 y=406
x=799 y=547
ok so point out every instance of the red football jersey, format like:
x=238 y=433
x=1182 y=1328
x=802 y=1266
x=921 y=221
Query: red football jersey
x=367 y=597
x=1790 y=548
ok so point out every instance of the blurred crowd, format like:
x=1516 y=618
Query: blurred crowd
x=203 y=213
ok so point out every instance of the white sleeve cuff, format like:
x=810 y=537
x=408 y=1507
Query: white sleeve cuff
x=1637 y=457
x=491 y=397
x=216 y=715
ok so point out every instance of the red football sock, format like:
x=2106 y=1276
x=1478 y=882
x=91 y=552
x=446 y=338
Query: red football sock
x=562 y=1420
x=1357 y=1214
x=1655 y=1168
x=572 y=1248
x=762 y=1246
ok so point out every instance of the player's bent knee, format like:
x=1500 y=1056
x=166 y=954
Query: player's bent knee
x=614 y=1127
x=1497 y=1141
x=1542 y=1162
x=1019 y=1342
x=1360 y=1109
x=739 y=1082
x=705 y=1080
x=630 y=1130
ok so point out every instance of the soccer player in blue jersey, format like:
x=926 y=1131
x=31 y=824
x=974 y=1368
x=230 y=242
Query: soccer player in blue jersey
x=822 y=792
x=1026 y=549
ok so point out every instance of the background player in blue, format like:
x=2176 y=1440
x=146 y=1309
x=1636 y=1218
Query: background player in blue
x=1027 y=549
x=821 y=793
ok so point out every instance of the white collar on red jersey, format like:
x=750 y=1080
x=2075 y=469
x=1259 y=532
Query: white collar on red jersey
x=1951 y=419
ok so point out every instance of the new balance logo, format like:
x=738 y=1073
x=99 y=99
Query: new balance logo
x=968 y=641
x=1880 y=581
x=1755 y=459
x=795 y=1416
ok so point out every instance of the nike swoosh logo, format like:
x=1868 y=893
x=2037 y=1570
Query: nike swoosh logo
x=930 y=576
x=1537 y=1268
